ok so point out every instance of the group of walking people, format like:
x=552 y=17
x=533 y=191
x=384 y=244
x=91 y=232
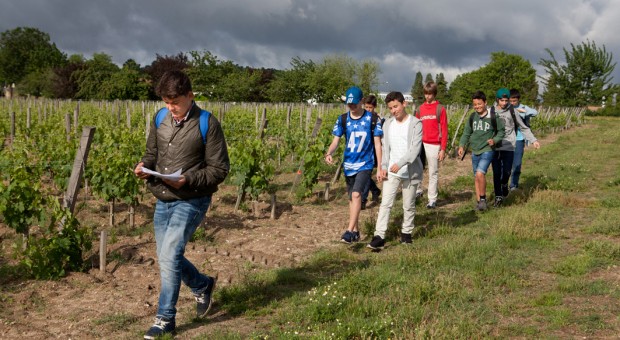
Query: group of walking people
x=399 y=144
x=187 y=138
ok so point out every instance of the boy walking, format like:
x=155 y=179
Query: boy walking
x=504 y=155
x=526 y=114
x=434 y=138
x=363 y=143
x=176 y=141
x=482 y=134
x=400 y=167
x=370 y=104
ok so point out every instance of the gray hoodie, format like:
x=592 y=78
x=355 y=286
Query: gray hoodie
x=510 y=138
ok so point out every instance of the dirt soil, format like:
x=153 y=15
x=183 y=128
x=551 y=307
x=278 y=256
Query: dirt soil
x=122 y=302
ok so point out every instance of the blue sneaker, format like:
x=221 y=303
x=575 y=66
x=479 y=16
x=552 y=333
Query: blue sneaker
x=204 y=298
x=161 y=327
x=350 y=236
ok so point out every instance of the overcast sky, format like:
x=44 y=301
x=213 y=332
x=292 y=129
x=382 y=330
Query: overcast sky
x=404 y=37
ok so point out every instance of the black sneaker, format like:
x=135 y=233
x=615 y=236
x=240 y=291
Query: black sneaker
x=204 y=298
x=498 y=201
x=431 y=205
x=161 y=327
x=405 y=238
x=350 y=236
x=364 y=205
x=377 y=243
x=419 y=194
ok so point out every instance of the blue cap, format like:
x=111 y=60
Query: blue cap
x=354 y=95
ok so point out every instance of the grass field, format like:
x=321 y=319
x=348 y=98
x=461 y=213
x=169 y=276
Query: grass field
x=543 y=266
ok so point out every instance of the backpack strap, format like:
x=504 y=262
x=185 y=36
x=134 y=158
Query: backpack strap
x=493 y=120
x=438 y=113
x=343 y=124
x=203 y=122
x=514 y=119
x=159 y=117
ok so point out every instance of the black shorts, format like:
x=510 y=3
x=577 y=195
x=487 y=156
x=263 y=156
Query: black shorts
x=357 y=182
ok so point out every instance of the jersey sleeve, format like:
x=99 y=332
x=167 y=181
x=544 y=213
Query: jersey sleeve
x=337 y=130
x=378 y=129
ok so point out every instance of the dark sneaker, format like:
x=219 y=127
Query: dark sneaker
x=350 y=236
x=405 y=238
x=364 y=205
x=377 y=243
x=498 y=201
x=431 y=205
x=419 y=194
x=513 y=189
x=204 y=298
x=482 y=205
x=161 y=327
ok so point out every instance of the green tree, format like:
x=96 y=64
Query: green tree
x=128 y=83
x=428 y=78
x=331 y=78
x=504 y=70
x=292 y=85
x=162 y=64
x=26 y=50
x=63 y=83
x=417 y=90
x=367 y=75
x=241 y=84
x=584 y=78
x=96 y=72
x=442 y=89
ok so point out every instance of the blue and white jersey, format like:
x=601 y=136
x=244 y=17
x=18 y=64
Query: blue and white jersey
x=359 y=150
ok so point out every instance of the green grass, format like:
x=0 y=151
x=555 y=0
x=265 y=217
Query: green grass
x=542 y=266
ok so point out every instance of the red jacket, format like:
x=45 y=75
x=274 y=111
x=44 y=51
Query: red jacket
x=430 y=126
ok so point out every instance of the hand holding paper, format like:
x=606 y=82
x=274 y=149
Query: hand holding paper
x=176 y=176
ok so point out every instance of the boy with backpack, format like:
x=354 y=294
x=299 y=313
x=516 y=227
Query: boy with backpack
x=434 y=138
x=526 y=114
x=370 y=104
x=363 y=143
x=182 y=136
x=484 y=131
x=504 y=154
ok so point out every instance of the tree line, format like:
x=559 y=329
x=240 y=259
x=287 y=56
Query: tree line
x=31 y=61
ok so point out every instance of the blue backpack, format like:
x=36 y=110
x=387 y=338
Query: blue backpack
x=203 y=123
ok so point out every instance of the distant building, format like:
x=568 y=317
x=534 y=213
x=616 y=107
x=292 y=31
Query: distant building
x=408 y=97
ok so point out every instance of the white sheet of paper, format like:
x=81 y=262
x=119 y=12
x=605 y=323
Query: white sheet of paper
x=173 y=177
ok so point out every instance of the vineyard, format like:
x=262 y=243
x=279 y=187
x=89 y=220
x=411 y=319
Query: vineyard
x=276 y=153
x=278 y=182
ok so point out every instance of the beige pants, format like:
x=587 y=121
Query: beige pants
x=390 y=189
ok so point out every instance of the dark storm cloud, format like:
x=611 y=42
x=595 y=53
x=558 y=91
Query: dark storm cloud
x=404 y=37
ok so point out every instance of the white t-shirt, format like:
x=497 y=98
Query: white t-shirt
x=398 y=145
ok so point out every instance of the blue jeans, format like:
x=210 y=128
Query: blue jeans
x=175 y=222
x=502 y=166
x=481 y=162
x=516 y=164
